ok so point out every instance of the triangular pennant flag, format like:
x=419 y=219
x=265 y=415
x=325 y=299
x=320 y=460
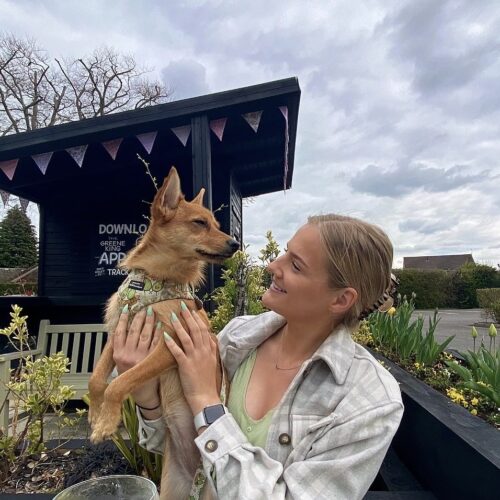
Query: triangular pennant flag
x=253 y=119
x=182 y=133
x=5 y=197
x=78 y=154
x=8 y=167
x=284 y=112
x=24 y=204
x=42 y=161
x=218 y=126
x=147 y=140
x=112 y=147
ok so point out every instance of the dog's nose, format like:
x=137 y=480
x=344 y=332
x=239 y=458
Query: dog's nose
x=233 y=245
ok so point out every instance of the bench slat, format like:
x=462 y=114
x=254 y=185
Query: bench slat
x=74 y=352
x=53 y=343
x=86 y=352
x=98 y=348
x=65 y=343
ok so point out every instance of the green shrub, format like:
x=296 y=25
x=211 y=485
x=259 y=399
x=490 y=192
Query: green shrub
x=489 y=300
x=469 y=278
x=432 y=288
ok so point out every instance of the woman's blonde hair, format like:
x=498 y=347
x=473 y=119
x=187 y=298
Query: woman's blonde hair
x=359 y=255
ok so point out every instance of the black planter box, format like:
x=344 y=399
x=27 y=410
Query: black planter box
x=450 y=452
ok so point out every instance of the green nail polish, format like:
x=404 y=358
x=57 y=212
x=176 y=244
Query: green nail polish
x=158 y=325
x=150 y=311
x=174 y=317
x=167 y=336
x=183 y=306
x=125 y=309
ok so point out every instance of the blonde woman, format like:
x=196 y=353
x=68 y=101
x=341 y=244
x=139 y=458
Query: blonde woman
x=310 y=413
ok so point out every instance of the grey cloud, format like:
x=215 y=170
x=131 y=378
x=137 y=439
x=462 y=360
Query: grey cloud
x=405 y=179
x=424 y=226
x=187 y=78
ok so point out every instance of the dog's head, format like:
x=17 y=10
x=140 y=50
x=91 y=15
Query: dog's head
x=187 y=227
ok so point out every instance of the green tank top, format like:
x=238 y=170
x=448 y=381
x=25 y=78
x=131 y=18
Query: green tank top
x=254 y=430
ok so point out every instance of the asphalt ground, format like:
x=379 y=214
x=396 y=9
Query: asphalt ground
x=459 y=322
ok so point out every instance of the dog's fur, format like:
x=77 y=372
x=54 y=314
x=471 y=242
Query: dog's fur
x=182 y=237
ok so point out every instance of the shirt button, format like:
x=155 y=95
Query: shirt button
x=284 y=438
x=249 y=429
x=211 y=445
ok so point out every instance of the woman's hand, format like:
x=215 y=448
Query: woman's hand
x=131 y=348
x=196 y=360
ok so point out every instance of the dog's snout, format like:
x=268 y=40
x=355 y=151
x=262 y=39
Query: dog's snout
x=233 y=245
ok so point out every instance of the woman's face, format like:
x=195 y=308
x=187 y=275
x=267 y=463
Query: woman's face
x=299 y=289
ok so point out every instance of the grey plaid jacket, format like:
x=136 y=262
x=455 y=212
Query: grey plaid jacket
x=327 y=438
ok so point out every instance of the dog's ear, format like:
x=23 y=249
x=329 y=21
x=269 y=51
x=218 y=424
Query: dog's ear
x=199 y=197
x=167 y=199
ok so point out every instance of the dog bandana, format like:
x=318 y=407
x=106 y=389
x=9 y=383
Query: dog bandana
x=139 y=291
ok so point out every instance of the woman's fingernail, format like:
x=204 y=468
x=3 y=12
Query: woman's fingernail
x=125 y=309
x=150 y=311
x=174 y=316
x=158 y=325
x=167 y=336
x=183 y=306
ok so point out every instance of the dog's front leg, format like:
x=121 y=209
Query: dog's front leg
x=98 y=381
x=150 y=367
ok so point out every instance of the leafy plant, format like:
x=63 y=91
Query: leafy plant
x=405 y=338
x=140 y=459
x=37 y=389
x=482 y=373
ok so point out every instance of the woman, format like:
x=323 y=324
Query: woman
x=310 y=414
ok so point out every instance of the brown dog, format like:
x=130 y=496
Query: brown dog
x=163 y=269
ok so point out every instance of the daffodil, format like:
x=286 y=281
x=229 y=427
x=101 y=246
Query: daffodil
x=474 y=411
x=474 y=401
x=474 y=332
x=391 y=311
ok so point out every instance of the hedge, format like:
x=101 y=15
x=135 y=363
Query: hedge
x=447 y=289
x=489 y=300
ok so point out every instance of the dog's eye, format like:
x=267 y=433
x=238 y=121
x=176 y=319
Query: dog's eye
x=201 y=222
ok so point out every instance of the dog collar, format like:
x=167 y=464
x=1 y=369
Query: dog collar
x=139 y=290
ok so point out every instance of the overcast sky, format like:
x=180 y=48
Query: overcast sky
x=399 y=121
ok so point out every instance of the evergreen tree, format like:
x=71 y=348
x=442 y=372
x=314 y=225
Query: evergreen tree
x=18 y=242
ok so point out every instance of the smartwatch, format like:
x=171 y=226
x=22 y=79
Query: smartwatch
x=209 y=415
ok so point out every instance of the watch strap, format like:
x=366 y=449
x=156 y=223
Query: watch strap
x=200 y=419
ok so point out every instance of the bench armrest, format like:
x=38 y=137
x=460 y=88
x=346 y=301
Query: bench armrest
x=16 y=355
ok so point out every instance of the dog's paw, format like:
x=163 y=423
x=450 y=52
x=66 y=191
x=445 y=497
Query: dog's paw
x=94 y=413
x=107 y=424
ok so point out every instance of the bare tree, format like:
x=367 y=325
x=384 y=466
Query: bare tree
x=36 y=92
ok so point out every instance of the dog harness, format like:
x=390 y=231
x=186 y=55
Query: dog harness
x=139 y=291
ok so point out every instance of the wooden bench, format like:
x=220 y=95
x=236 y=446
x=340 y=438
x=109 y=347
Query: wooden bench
x=82 y=344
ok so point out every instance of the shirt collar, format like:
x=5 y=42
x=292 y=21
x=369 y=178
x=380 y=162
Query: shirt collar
x=337 y=350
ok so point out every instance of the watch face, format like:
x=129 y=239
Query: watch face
x=212 y=413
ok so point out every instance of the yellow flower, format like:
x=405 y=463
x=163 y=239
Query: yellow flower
x=474 y=411
x=417 y=365
x=391 y=311
x=474 y=401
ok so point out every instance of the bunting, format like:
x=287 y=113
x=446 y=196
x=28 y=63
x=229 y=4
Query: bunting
x=284 y=112
x=5 y=197
x=24 y=204
x=253 y=119
x=147 y=140
x=9 y=168
x=42 y=161
x=217 y=127
x=78 y=154
x=112 y=147
x=182 y=133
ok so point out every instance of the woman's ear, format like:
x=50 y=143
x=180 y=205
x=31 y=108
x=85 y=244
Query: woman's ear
x=344 y=299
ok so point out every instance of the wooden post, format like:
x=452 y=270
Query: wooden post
x=202 y=177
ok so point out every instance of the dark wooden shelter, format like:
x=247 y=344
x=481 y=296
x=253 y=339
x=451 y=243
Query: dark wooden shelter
x=90 y=214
